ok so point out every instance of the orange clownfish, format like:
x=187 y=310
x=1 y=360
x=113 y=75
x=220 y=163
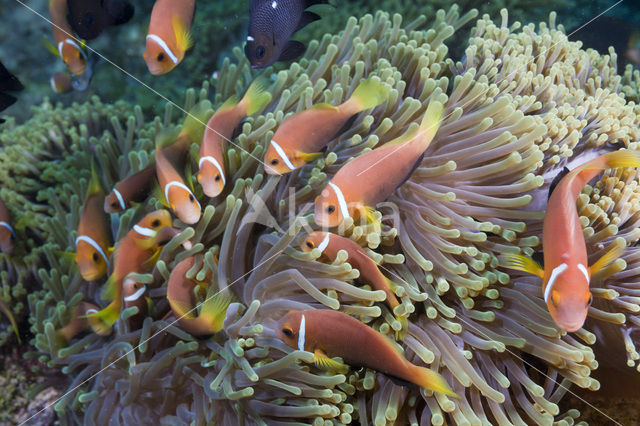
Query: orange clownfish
x=300 y=137
x=329 y=333
x=180 y=294
x=135 y=252
x=220 y=128
x=566 y=276
x=71 y=51
x=371 y=177
x=134 y=188
x=61 y=82
x=168 y=38
x=330 y=244
x=79 y=322
x=6 y=230
x=92 y=240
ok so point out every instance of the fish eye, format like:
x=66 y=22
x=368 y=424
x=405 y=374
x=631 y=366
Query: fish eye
x=590 y=301
x=95 y=257
x=260 y=51
x=114 y=204
x=155 y=223
x=135 y=286
x=274 y=162
x=191 y=198
x=217 y=178
x=309 y=244
x=331 y=209
x=287 y=331
x=160 y=57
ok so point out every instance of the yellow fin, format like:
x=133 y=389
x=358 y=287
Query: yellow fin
x=166 y=137
x=196 y=121
x=102 y=321
x=182 y=309
x=429 y=379
x=615 y=252
x=370 y=93
x=65 y=254
x=157 y=192
x=109 y=289
x=323 y=362
x=5 y=309
x=215 y=307
x=230 y=103
x=368 y=213
x=402 y=333
x=324 y=106
x=308 y=157
x=50 y=47
x=431 y=121
x=183 y=38
x=94 y=184
x=521 y=263
x=257 y=96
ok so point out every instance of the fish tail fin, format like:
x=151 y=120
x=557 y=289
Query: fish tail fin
x=429 y=379
x=102 y=321
x=431 y=122
x=166 y=137
x=610 y=160
x=196 y=121
x=215 y=308
x=183 y=37
x=257 y=96
x=7 y=311
x=611 y=255
x=369 y=94
x=521 y=263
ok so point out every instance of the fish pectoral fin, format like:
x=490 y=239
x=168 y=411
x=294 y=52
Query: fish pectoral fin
x=109 y=289
x=309 y=157
x=323 y=362
x=610 y=256
x=521 y=263
x=65 y=254
x=402 y=333
x=110 y=250
x=291 y=51
x=7 y=311
x=183 y=37
x=182 y=309
x=369 y=214
x=159 y=195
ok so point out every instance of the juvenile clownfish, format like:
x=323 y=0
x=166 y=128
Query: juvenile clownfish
x=300 y=137
x=61 y=82
x=328 y=333
x=135 y=252
x=566 y=276
x=168 y=38
x=371 y=177
x=133 y=294
x=134 y=188
x=92 y=241
x=220 y=128
x=330 y=244
x=6 y=230
x=79 y=322
x=71 y=51
x=271 y=24
x=180 y=294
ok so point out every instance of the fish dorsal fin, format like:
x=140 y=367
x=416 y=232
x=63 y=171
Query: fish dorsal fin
x=614 y=253
x=230 y=103
x=306 y=19
x=196 y=121
x=109 y=289
x=50 y=47
x=292 y=50
x=166 y=137
x=556 y=180
x=324 y=105
x=407 y=136
x=94 y=184
x=183 y=38
x=7 y=311
x=157 y=192
x=257 y=96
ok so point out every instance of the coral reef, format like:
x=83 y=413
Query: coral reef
x=521 y=104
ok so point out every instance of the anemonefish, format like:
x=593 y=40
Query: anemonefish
x=566 y=274
x=135 y=294
x=71 y=51
x=330 y=244
x=371 y=177
x=168 y=38
x=92 y=240
x=133 y=188
x=300 y=137
x=135 y=252
x=329 y=333
x=7 y=311
x=79 y=322
x=61 y=82
x=271 y=24
x=6 y=230
x=220 y=128
x=180 y=294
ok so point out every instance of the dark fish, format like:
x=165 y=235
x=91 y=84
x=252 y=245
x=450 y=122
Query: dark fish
x=271 y=24
x=89 y=18
x=8 y=83
x=607 y=31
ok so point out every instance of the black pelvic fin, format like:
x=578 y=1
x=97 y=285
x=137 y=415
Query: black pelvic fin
x=538 y=256
x=309 y=3
x=557 y=180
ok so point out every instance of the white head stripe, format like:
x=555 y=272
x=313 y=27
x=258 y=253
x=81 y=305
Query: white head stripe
x=179 y=185
x=552 y=280
x=215 y=163
x=282 y=155
x=93 y=244
x=160 y=42
x=135 y=296
x=6 y=225
x=90 y=311
x=301 y=334
x=123 y=206
x=60 y=46
x=325 y=242
x=342 y=202
x=145 y=232
x=584 y=271
x=74 y=44
x=249 y=38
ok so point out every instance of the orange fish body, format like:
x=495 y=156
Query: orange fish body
x=6 y=230
x=168 y=38
x=371 y=177
x=178 y=195
x=299 y=138
x=566 y=274
x=219 y=129
x=79 y=322
x=92 y=240
x=329 y=333
x=134 y=188
x=183 y=303
x=68 y=49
